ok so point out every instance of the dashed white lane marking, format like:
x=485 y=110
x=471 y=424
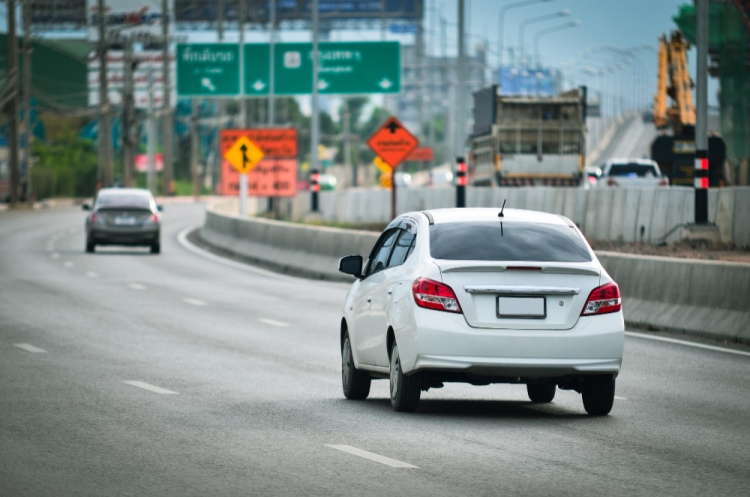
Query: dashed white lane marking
x=55 y=255
x=92 y=274
x=68 y=264
x=620 y=398
x=150 y=388
x=30 y=348
x=273 y=322
x=137 y=286
x=193 y=301
x=685 y=342
x=371 y=456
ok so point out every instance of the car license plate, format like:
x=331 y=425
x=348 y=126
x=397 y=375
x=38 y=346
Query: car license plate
x=522 y=307
x=124 y=221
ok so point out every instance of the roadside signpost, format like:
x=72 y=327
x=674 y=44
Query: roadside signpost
x=244 y=155
x=208 y=70
x=270 y=159
x=393 y=143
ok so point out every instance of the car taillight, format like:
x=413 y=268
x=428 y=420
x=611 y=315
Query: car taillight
x=152 y=219
x=611 y=182
x=433 y=295
x=664 y=182
x=592 y=180
x=93 y=217
x=603 y=300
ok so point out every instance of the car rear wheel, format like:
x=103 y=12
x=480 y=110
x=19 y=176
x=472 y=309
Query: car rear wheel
x=156 y=248
x=598 y=395
x=356 y=383
x=541 y=393
x=405 y=390
x=90 y=247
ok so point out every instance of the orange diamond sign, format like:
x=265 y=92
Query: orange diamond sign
x=392 y=142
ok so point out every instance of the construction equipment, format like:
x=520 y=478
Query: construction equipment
x=675 y=153
x=528 y=140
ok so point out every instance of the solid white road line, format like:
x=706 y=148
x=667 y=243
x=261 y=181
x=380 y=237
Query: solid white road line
x=91 y=274
x=150 y=388
x=273 y=322
x=30 y=348
x=689 y=344
x=372 y=457
x=182 y=239
x=137 y=286
x=68 y=264
x=193 y=301
x=620 y=398
x=55 y=255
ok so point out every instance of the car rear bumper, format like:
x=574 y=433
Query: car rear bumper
x=445 y=342
x=124 y=236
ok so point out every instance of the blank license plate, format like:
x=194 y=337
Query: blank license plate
x=127 y=221
x=522 y=307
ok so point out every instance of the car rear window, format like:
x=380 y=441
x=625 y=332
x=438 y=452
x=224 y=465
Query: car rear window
x=633 y=170
x=507 y=241
x=124 y=200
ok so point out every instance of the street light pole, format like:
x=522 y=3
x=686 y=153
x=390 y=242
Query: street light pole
x=314 y=121
x=553 y=29
x=522 y=29
x=501 y=26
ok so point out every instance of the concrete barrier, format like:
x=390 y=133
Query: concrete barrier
x=699 y=297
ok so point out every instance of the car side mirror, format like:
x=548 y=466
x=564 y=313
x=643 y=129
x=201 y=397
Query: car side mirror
x=351 y=264
x=86 y=207
x=159 y=208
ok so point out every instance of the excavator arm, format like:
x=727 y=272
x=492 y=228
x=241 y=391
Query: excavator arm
x=673 y=80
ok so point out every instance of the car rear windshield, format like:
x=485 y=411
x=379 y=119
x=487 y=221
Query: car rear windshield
x=124 y=200
x=633 y=170
x=507 y=241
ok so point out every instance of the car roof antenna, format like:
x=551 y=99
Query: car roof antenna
x=502 y=209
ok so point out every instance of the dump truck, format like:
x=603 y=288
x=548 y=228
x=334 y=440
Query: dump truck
x=521 y=140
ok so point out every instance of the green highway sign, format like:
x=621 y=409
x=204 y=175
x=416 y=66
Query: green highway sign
x=345 y=68
x=208 y=69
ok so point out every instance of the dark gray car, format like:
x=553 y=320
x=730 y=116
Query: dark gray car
x=123 y=216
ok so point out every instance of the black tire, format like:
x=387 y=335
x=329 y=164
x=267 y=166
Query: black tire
x=356 y=383
x=541 y=393
x=405 y=390
x=90 y=247
x=156 y=248
x=598 y=395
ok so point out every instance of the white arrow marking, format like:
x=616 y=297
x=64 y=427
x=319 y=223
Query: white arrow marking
x=259 y=85
x=322 y=84
x=208 y=84
x=385 y=84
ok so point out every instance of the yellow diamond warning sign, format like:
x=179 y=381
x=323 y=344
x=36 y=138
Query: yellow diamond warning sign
x=243 y=155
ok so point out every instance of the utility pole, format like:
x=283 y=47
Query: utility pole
x=12 y=78
x=242 y=12
x=421 y=78
x=104 y=132
x=271 y=88
x=128 y=144
x=27 y=51
x=315 y=118
x=151 y=136
x=461 y=80
x=166 y=118
x=701 y=116
x=194 y=147
x=346 y=117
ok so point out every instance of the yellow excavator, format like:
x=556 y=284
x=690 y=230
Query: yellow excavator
x=675 y=153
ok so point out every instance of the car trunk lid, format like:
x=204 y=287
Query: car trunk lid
x=534 y=295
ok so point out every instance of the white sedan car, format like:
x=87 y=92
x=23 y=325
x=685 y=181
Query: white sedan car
x=632 y=173
x=482 y=296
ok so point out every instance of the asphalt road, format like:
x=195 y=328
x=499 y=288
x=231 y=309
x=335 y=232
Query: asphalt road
x=254 y=361
x=632 y=140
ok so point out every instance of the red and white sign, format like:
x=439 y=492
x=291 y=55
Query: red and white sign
x=393 y=142
x=141 y=163
x=276 y=173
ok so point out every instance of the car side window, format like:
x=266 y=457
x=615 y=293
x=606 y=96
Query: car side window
x=402 y=248
x=381 y=252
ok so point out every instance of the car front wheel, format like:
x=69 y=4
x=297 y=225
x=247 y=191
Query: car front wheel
x=598 y=395
x=356 y=383
x=405 y=390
